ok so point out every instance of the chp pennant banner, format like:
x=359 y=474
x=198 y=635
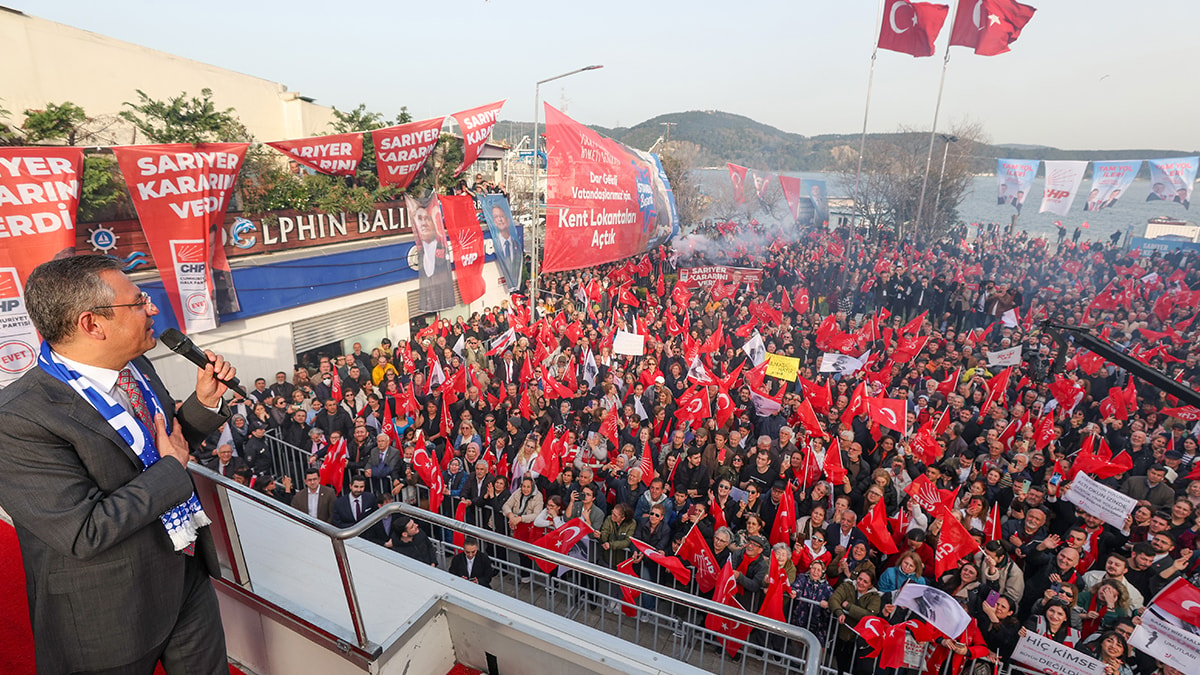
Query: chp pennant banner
x=39 y=193
x=181 y=192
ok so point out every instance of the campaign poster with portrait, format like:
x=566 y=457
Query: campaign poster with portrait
x=665 y=212
x=432 y=257
x=1110 y=180
x=813 y=203
x=508 y=241
x=1014 y=177
x=1171 y=180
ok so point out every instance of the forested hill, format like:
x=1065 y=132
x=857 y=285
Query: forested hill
x=722 y=137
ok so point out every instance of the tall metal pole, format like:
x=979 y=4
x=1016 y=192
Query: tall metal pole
x=862 y=142
x=946 y=151
x=535 y=264
x=932 y=135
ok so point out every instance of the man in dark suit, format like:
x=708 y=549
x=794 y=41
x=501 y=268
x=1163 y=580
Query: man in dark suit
x=842 y=536
x=316 y=500
x=472 y=564
x=436 y=284
x=355 y=504
x=223 y=462
x=94 y=455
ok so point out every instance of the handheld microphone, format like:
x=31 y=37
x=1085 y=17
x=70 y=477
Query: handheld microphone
x=183 y=346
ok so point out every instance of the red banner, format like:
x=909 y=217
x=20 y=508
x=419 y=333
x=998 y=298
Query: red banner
x=476 y=126
x=791 y=193
x=39 y=192
x=737 y=176
x=600 y=198
x=708 y=275
x=401 y=151
x=181 y=192
x=336 y=155
x=466 y=243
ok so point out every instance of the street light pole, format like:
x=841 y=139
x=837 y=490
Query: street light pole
x=946 y=150
x=535 y=265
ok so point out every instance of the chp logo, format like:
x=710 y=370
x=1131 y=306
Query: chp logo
x=189 y=253
x=10 y=292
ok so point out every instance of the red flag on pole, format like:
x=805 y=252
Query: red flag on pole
x=991 y=531
x=772 y=607
x=695 y=550
x=460 y=514
x=834 y=471
x=911 y=27
x=647 y=465
x=737 y=176
x=954 y=543
x=333 y=469
x=875 y=527
x=672 y=564
x=561 y=539
x=629 y=595
x=430 y=473
x=462 y=227
x=888 y=412
x=989 y=26
x=724 y=594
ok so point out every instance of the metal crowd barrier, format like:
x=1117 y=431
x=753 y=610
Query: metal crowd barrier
x=672 y=623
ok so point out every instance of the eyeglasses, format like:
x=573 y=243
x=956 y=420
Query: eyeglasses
x=142 y=301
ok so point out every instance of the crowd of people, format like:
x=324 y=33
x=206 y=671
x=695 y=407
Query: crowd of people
x=517 y=406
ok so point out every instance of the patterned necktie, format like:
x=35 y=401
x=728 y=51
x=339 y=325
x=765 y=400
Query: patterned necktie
x=130 y=386
x=357 y=510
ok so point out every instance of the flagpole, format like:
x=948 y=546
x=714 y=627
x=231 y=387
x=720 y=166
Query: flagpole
x=933 y=132
x=862 y=142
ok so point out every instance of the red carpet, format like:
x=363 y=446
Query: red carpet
x=460 y=669
x=16 y=636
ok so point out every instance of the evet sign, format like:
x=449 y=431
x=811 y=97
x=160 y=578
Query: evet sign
x=18 y=339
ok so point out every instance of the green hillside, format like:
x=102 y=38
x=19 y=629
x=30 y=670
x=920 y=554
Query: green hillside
x=724 y=137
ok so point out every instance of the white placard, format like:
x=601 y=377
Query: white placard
x=1167 y=641
x=629 y=344
x=1100 y=500
x=1005 y=357
x=1047 y=656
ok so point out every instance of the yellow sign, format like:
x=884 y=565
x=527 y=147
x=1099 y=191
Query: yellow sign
x=783 y=367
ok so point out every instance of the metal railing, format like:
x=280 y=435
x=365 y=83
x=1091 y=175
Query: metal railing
x=289 y=460
x=773 y=645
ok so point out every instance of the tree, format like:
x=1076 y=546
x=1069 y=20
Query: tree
x=893 y=170
x=184 y=120
x=679 y=161
x=63 y=122
x=8 y=136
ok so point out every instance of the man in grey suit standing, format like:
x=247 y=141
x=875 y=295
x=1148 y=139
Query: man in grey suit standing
x=114 y=542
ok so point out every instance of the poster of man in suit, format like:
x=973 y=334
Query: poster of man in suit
x=507 y=239
x=432 y=254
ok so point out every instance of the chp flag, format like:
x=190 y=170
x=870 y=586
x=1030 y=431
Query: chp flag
x=466 y=243
x=602 y=201
x=1062 y=183
x=39 y=193
x=476 y=126
x=336 y=155
x=180 y=192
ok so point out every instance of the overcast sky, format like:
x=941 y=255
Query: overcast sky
x=1085 y=74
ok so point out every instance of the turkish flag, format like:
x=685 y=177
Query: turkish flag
x=629 y=595
x=1181 y=600
x=672 y=564
x=460 y=514
x=785 y=519
x=800 y=301
x=333 y=469
x=913 y=327
x=548 y=461
x=954 y=543
x=693 y=404
x=997 y=387
x=834 y=470
x=1066 y=392
x=875 y=526
x=713 y=342
x=430 y=473
x=737 y=176
x=725 y=407
x=626 y=297
x=561 y=539
x=888 y=412
x=772 y=607
x=808 y=419
x=723 y=594
x=991 y=531
x=681 y=295
x=695 y=550
x=989 y=26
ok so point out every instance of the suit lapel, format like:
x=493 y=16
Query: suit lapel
x=80 y=410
